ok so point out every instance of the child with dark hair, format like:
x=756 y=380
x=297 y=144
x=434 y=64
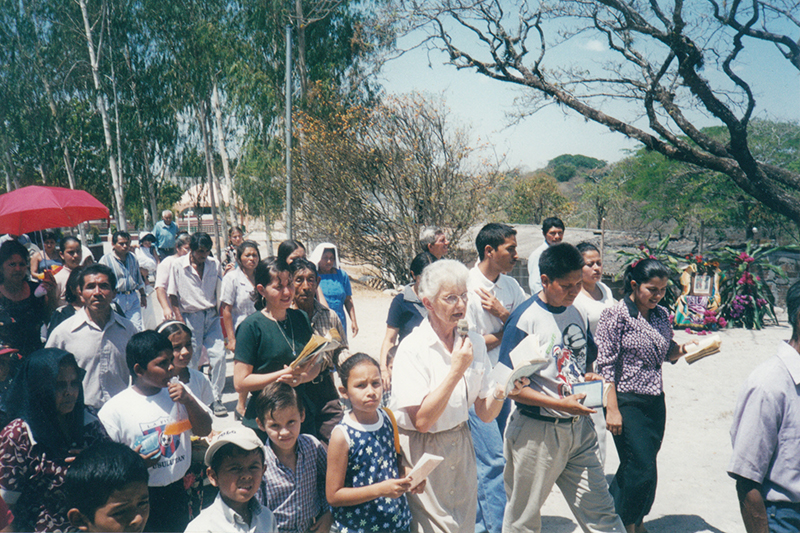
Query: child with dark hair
x=364 y=483
x=294 y=479
x=147 y=417
x=235 y=463
x=106 y=488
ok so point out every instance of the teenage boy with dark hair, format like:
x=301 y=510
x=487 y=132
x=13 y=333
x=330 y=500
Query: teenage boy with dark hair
x=549 y=438
x=553 y=231
x=235 y=463
x=106 y=488
x=492 y=297
x=139 y=417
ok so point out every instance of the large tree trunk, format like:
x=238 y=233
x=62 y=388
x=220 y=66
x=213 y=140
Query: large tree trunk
x=116 y=182
x=202 y=119
x=223 y=153
x=68 y=165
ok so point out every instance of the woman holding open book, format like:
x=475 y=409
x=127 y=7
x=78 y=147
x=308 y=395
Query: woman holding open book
x=634 y=337
x=268 y=341
x=439 y=372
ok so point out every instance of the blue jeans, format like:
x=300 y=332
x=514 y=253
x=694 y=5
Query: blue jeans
x=783 y=517
x=488 y=442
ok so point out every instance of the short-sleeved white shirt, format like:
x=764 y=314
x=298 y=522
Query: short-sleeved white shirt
x=220 y=518
x=200 y=387
x=194 y=293
x=99 y=351
x=505 y=289
x=130 y=415
x=422 y=363
x=237 y=291
x=534 y=276
x=163 y=271
x=591 y=308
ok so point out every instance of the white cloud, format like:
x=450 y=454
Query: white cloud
x=595 y=45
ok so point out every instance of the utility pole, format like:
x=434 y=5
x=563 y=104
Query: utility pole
x=288 y=131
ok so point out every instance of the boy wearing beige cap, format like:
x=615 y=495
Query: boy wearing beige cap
x=235 y=463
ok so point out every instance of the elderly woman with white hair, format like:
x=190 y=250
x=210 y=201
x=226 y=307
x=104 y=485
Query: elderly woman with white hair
x=438 y=374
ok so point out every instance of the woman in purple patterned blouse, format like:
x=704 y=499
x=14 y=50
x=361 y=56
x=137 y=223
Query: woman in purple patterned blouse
x=634 y=337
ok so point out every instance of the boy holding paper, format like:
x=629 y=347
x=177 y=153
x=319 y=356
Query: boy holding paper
x=550 y=439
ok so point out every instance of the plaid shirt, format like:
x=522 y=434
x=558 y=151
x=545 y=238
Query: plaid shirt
x=296 y=498
x=324 y=320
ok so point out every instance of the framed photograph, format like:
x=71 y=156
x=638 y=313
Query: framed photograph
x=701 y=285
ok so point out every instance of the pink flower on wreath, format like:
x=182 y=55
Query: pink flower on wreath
x=652 y=257
x=722 y=322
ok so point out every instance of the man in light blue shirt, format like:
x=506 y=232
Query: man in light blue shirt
x=765 y=433
x=165 y=231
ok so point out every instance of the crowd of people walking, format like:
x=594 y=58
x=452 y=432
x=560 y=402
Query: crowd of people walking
x=107 y=408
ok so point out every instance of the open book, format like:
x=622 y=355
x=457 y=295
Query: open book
x=314 y=350
x=707 y=346
x=527 y=360
x=423 y=468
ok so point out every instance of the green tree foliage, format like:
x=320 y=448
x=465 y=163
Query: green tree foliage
x=566 y=166
x=536 y=197
x=159 y=63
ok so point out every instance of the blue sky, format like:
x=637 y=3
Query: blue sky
x=483 y=104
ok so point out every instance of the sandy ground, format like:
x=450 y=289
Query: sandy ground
x=695 y=493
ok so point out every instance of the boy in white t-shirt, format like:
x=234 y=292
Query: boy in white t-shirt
x=140 y=417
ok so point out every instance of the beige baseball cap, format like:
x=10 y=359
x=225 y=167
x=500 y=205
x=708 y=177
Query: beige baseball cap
x=241 y=436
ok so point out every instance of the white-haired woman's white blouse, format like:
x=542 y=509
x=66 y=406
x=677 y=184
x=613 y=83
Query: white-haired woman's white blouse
x=422 y=363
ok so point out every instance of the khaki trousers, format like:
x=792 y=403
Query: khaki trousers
x=540 y=454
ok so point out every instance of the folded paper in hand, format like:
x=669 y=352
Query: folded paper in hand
x=423 y=468
x=527 y=360
x=314 y=349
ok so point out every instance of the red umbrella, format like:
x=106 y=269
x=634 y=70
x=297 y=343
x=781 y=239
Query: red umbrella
x=36 y=208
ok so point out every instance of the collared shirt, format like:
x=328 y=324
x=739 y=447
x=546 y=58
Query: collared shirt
x=99 y=351
x=296 y=498
x=406 y=312
x=237 y=291
x=163 y=271
x=766 y=427
x=324 y=320
x=630 y=349
x=422 y=364
x=505 y=289
x=194 y=293
x=220 y=518
x=128 y=276
x=534 y=276
x=165 y=234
